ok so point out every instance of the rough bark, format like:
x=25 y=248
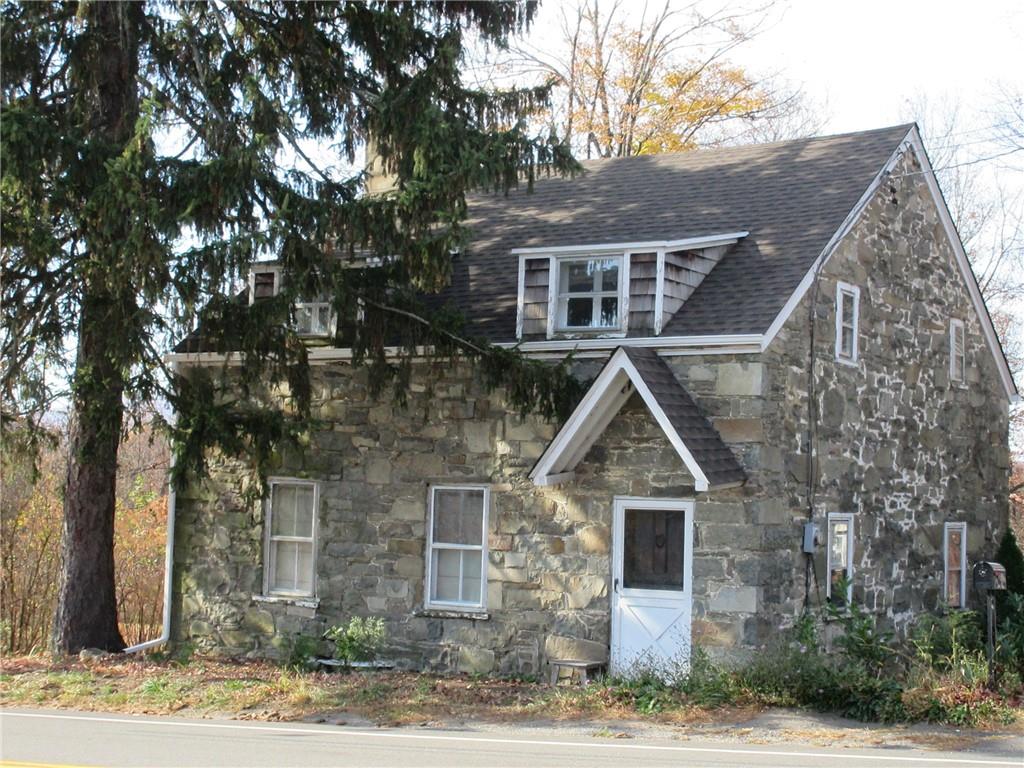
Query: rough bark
x=86 y=605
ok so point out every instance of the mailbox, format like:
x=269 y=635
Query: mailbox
x=989 y=576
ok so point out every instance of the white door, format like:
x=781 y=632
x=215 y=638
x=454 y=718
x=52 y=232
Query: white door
x=652 y=557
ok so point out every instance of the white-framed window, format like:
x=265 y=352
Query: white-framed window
x=290 y=523
x=589 y=293
x=957 y=351
x=847 y=322
x=954 y=564
x=457 y=547
x=839 y=557
x=264 y=282
x=313 y=318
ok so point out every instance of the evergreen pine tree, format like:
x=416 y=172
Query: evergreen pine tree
x=153 y=150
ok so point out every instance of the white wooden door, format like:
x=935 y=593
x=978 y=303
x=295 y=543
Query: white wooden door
x=652 y=564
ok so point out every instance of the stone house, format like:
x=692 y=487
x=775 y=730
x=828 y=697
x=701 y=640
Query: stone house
x=798 y=396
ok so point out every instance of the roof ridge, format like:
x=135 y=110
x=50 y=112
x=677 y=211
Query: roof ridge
x=753 y=145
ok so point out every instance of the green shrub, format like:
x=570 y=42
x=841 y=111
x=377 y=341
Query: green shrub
x=359 y=640
x=1010 y=557
x=1010 y=635
x=946 y=641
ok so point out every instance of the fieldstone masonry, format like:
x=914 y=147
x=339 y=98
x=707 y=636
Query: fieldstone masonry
x=895 y=443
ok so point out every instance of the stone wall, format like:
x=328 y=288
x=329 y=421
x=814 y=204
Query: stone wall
x=549 y=567
x=897 y=443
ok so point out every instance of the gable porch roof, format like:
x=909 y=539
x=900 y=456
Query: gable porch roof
x=634 y=369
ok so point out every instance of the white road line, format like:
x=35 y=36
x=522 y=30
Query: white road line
x=495 y=740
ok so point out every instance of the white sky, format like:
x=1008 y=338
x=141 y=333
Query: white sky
x=866 y=58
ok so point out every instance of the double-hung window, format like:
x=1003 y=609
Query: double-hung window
x=290 y=562
x=840 y=558
x=957 y=351
x=847 y=322
x=589 y=293
x=954 y=548
x=457 y=557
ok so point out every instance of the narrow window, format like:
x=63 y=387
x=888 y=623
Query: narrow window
x=840 y=558
x=291 y=538
x=588 y=293
x=847 y=321
x=457 y=542
x=957 y=351
x=955 y=564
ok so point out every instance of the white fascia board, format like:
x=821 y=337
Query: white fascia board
x=522 y=297
x=851 y=218
x=704 y=241
x=591 y=403
x=594 y=347
x=984 y=318
x=604 y=399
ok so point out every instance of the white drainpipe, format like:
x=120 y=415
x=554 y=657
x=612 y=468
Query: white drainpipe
x=165 y=633
x=172 y=500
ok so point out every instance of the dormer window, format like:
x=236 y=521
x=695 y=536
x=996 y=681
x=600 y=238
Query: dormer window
x=264 y=284
x=313 y=318
x=589 y=291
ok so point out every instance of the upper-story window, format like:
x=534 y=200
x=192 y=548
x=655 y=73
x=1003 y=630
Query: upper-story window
x=589 y=293
x=957 y=351
x=311 y=317
x=263 y=284
x=847 y=322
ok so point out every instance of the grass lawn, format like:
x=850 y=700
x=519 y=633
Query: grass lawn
x=260 y=690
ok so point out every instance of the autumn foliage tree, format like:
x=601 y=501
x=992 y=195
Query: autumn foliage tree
x=630 y=83
x=152 y=151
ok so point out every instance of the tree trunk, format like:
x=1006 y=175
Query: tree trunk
x=86 y=602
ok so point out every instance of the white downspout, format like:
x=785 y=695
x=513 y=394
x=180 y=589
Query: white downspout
x=165 y=632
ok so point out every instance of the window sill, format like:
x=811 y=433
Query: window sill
x=452 y=613
x=588 y=333
x=301 y=602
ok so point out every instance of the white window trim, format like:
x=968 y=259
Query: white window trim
x=268 y=512
x=845 y=289
x=428 y=603
x=962 y=528
x=275 y=268
x=955 y=324
x=839 y=517
x=555 y=324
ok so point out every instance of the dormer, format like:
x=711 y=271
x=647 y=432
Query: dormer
x=312 y=318
x=611 y=290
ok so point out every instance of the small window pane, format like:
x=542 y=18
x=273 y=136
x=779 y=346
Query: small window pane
x=285 y=563
x=953 y=548
x=840 y=546
x=579 y=313
x=847 y=342
x=446 y=574
x=304 y=567
x=458 y=517
x=848 y=305
x=609 y=275
x=577 y=277
x=609 y=312
x=471 y=576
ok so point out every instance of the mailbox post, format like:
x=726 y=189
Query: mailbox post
x=989 y=578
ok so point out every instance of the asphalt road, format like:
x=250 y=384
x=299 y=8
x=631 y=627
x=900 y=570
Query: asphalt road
x=65 y=738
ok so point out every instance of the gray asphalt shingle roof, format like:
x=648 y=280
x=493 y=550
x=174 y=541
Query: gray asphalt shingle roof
x=701 y=438
x=791 y=196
